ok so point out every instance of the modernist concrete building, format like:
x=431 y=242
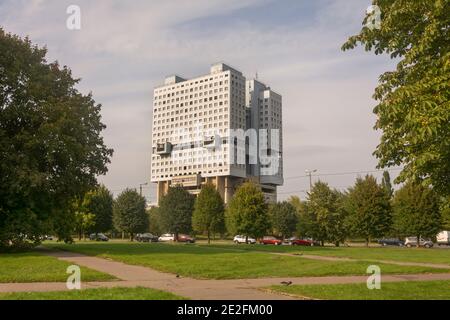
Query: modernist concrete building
x=207 y=129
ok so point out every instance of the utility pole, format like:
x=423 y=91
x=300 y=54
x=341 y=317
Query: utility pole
x=309 y=173
x=140 y=187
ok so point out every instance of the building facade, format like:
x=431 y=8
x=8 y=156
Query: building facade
x=218 y=128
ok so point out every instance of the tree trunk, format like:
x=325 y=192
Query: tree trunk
x=418 y=242
x=79 y=235
x=336 y=244
x=367 y=242
x=246 y=239
x=131 y=237
x=209 y=237
x=175 y=238
x=322 y=243
x=123 y=235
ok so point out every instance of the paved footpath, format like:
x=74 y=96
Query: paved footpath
x=248 y=289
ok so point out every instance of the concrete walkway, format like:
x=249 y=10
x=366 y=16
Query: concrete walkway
x=248 y=289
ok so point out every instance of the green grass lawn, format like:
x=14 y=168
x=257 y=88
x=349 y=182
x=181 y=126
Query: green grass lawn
x=225 y=263
x=35 y=267
x=421 y=255
x=408 y=290
x=94 y=294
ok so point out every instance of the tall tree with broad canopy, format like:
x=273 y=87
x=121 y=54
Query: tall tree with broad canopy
x=129 y=213
x=209 y=212
x=99 y=202
x=416 y=211
x=247 y=212
x=369 y=209
x=175 y=210
x=51 y=149
x=413 y=108
x=284 y=219
x=325 y=214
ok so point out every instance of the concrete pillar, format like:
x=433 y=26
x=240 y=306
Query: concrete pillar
x=228 y=189
x=220 y=186
x=161 y=189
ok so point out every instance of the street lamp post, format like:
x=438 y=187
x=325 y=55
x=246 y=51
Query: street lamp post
x=309 y=173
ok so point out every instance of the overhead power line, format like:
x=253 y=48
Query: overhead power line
x=342 y=173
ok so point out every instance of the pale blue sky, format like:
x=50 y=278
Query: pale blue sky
x=125 y=48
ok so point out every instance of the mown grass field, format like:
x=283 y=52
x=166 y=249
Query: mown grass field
x=35 y=267
x=408 y=290
x=94 y=294
x=420 y=255
x=211 y=262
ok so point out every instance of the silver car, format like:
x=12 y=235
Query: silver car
x=241 y=239
x=412 y=242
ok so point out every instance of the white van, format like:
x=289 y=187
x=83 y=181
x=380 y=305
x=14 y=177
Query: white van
x=443 y=238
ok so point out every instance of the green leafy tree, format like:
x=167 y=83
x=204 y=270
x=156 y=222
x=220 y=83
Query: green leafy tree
x=307 y=226
x=209 y=212
x=296 y=202
x=51 y=149
x=445 y=212
x=129 y=214
x=416 y=211
x=324 y=207
x=413 y=108
x=247 y=212
x=83 y=222
x=176 y=209
x=369 y=210
x=284 y=219
x=387 y=185
x=155 y=224
x=99 y=202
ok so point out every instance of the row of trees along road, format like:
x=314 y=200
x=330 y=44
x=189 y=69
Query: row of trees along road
x=98 y=212
x=369 y=210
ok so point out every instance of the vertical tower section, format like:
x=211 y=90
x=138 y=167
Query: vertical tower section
x=264 y=113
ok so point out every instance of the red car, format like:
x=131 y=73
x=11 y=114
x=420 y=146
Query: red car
x=270 y=240
x=185 y=238
x=302 y=242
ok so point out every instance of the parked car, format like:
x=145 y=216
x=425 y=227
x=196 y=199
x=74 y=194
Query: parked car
x=443 y=238
x=412 y=242
x=46 y=237
x=166 y=237
x=391 y=242
x=241 y=239
x=185 y=238
x=301 y=242
x=146 y=237
x=98 y=237
x=270 y=240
